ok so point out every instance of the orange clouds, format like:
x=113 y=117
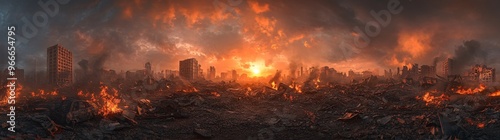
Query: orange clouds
x=417 y=44
x=258 y=8
x=266 y=25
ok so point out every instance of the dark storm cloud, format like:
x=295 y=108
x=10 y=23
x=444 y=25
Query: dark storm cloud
x=134 y=32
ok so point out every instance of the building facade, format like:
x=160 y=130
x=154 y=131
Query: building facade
x=59 y=66
x=189 y=69
x=211 y=73
x=448 y=67
x=482 y=73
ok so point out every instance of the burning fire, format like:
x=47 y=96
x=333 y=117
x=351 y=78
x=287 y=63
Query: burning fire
x=477 y=123
x=107 y=100
x=316 y=83
x=189 y=89
x=496 y=93
x=274 y=85
x=296 y=87
x=42 y=94
x=110 y=101
x=288 y=97
x=4 y=100
x=479 y=89
x=432 y=100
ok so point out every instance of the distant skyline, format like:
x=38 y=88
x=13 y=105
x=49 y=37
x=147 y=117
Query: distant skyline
x=257 y=35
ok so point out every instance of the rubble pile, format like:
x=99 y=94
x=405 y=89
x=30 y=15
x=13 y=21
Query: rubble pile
x=371 y=108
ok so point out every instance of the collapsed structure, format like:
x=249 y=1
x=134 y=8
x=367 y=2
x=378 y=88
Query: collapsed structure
x=481 y=73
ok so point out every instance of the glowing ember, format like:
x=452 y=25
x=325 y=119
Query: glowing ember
x=189 y=89
x=288 y=97
x=43 y=94
x=496 y=93
x=316 y=83
x=296 y=87
x=107 y=100
x=476 y=123
x=432 y=100
x=4 y=100
x=481 y=125
x=215 y=94
x=479 y=89
x=274 y=85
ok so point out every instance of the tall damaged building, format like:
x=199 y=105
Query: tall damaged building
x=448 y=67
x=59 y=65
x=211 y=73
x=189 y=69
x=428 y=71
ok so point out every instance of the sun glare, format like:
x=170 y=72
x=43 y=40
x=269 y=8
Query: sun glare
x=255 y=71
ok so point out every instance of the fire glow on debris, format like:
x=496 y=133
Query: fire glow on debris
x=43 y=94
x=476 y=90
x=107 y=100
x=496 y=93
x=274 y=85
x=4 y=99
x=433 y=100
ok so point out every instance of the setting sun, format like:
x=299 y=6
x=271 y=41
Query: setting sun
x=255 y=71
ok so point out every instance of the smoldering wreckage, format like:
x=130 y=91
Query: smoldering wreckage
x=173 y=108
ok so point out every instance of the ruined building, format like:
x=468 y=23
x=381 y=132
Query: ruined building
x=481 y=73
x=59 y=65
x=211 y=72
x=428 y=71
x=189 y=69
x=448 y=67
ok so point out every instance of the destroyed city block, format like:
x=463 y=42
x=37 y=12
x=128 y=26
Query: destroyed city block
x=249 y=69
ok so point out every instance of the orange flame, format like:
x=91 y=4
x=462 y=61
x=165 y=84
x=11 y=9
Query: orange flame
x=274 y=85
x=110 y=101
x=316 y=83
x=432 y=100
x=189 y=89
x=297 y=87
x=107 y=100
x=4 y=100
x=215 y=94
x=496 y=93
x=288 y=97
x=43 y=94
x=469 y=91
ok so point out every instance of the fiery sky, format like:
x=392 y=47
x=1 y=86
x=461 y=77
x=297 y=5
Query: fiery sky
x=251 y=35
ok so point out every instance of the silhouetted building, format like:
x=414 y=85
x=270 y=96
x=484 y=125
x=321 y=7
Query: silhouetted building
x=59 y=65
x=147 y=67
x=171 y=73
x=388 y=74
x=189 y=69
x=211 y=72
x=235 y=75
x=429 y=71
x=448 y=67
